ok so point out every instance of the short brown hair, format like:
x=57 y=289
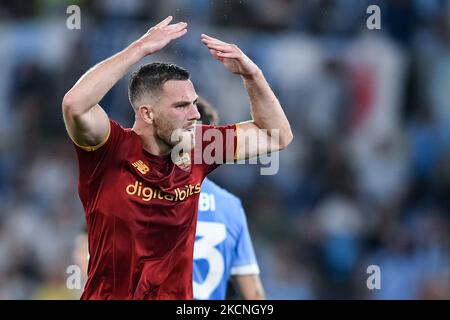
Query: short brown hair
x=150 y=78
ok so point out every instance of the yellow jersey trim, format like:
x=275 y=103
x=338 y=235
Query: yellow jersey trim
x=237 y=143
x=93 y=148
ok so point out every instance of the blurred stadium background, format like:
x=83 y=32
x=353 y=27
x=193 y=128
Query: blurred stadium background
x=366 y=180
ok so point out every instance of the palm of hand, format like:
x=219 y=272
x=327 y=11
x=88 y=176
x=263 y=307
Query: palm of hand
x=155 y=40
x=242 y=66
x=161 y=35
x=231 y=56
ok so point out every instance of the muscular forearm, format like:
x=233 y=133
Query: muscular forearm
x=267 y=112
x=95 y=83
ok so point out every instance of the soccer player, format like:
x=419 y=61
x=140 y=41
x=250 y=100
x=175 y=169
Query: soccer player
x=140 y=186
x=223 y=247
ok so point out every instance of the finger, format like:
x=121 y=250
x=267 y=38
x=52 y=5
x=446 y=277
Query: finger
x=211 y=39
x=208 y=41
x=215 y=56
x=213 y=52
x=178 y=34
x=221 y=47
x=165 y=22
x=230 y=55
x=176 y=27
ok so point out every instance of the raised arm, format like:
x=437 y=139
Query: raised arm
x=86 y=122
x=269 y=129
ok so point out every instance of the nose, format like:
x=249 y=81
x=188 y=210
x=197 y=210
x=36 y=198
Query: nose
x=193 y=113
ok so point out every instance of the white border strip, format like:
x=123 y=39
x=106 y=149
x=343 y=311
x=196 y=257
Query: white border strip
x=245 y=270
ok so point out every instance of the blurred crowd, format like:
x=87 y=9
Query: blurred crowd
x=365 y=182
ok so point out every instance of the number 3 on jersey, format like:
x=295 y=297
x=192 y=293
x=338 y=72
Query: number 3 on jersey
x=211 y=234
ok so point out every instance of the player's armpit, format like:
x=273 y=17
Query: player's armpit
x=89 y=130
x=253 y=141
x=249 y=286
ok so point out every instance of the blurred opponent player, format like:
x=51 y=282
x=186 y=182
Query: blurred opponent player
x=223 y=247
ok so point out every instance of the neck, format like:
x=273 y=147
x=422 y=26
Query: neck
x=150 y=142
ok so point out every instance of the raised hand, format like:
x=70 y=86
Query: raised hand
x=160 y=35
x=231 y=56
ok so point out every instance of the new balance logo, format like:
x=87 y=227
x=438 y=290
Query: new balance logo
x=141 y=166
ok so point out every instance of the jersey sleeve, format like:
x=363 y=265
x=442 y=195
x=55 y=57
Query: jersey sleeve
x=215 y=145
x=244 y=261
x=93 y=159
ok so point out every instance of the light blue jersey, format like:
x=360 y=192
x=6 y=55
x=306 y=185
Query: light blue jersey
x=222 y=245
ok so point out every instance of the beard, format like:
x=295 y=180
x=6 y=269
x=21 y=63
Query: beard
x=181 y=138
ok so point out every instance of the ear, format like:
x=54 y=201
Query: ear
x=145 y=112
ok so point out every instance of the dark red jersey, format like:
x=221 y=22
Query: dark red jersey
x=141 y=213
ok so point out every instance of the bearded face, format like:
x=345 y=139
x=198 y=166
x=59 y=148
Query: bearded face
x=176 y=114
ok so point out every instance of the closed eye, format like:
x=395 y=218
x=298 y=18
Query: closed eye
x=181 y=105
x=185 y=104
